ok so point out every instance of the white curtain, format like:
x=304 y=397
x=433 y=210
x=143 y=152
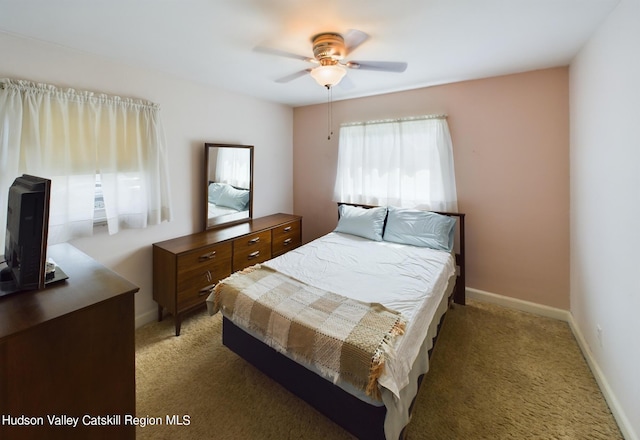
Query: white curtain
x=70 y=136
x=406 y=163
x=233 y=167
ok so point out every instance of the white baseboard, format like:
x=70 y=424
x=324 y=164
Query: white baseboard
x=146 y=317
x=518 y=304
x=564 y=315
x=614 y=405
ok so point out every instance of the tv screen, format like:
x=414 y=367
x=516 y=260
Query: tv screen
x=25 y=250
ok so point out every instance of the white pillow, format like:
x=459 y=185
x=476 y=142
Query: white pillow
x=420 y=228
x=367 y=223
x=233 y=198
x=215 y=189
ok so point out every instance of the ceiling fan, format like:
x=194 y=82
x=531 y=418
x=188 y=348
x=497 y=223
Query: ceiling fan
x=329 y=52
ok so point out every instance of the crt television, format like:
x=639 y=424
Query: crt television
x=25 y=249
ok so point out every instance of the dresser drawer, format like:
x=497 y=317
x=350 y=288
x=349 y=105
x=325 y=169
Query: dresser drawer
x=193 y=291
x=251 y=249
x=204 y=257
x=286 y=237
x=199 y=271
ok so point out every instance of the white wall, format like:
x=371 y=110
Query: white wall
x=605 y=207
x=192 y=114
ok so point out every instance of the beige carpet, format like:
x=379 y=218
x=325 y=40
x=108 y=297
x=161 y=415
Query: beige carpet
x=495 y=374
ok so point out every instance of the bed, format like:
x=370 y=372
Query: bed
x=392 y=267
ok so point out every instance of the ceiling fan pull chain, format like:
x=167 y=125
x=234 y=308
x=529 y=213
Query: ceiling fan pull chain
x=329 y=112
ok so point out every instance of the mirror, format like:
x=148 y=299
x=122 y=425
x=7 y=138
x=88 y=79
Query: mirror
x=228 y=184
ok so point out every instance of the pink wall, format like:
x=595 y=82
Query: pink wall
x=511 y=147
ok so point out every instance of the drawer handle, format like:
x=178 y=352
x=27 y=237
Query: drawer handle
x=287 y=229
x=253 y=255
x=254 y=240
x=287 y=242
x=208 y=256
x=206 y=290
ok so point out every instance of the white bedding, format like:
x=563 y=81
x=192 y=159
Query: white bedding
x=216 y=210
x=408 y=279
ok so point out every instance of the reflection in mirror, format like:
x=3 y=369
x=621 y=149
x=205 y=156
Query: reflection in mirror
x=228 y=184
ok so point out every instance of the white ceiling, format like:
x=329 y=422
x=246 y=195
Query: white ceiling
x=213 y=41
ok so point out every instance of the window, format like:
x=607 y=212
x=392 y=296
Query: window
x=85 y=142
x=99 y=213
x=405 y=163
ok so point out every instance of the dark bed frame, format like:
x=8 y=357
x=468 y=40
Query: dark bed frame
x=361 y=419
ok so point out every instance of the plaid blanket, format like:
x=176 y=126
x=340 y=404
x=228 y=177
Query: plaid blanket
x=343 y=338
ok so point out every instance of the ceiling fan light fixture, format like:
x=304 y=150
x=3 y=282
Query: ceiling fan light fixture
x=329 y=75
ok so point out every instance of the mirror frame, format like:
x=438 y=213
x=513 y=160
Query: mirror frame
x=229 y=219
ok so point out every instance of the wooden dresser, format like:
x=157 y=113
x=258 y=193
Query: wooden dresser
x=185 y=269
x=69 y=350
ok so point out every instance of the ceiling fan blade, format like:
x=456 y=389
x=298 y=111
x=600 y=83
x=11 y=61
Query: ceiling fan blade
x=354 y=38
x=291 y=77
x=382 y=66
x=282 y=53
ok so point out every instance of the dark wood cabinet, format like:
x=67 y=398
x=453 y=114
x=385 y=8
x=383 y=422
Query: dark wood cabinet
x=185 y=269
x=69 y=350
